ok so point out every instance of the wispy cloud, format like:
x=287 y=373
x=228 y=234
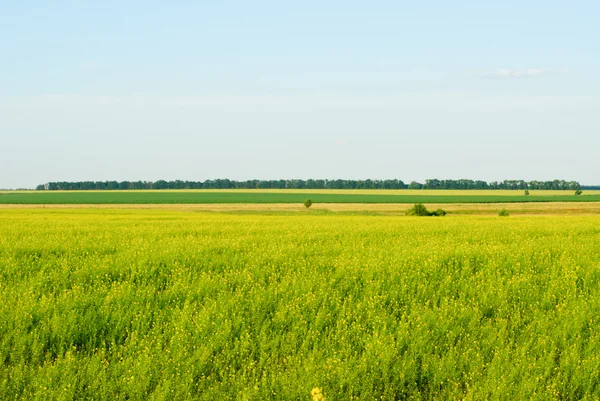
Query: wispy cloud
x=511 y=73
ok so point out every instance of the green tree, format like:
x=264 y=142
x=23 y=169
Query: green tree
x=160 y=184
x=418 y=209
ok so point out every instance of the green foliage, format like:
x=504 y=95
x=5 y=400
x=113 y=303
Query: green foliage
x=578 y=192
x=420 y=210
x=460 y=184
x=526 y=192
x=503 y=213
x=228 y=184
x=165 y=305
x=307 y=203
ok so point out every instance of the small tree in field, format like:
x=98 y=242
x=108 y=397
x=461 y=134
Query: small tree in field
x=307 y=203
x=503 y=213
x=526 y=192
x=578 y=192
x=419 y=209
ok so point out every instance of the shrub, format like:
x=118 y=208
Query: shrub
x=419 y=209
x=526 y=192
x=503 y=213
x=307 y=203
x=578 y=192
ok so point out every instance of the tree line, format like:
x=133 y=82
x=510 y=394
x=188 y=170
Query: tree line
x=225 y=184
x=308 y=184
x=506 y=184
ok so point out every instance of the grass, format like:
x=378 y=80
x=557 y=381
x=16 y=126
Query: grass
x=161 y=304
x=494 y=192
x=483 y=209
x=259 y=196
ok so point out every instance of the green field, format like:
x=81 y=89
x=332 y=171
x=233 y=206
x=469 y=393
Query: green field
x=191 y=197
x=165 y=305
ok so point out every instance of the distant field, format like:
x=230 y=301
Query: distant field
x=365 y=209
x=289 y=196
x=498 y=192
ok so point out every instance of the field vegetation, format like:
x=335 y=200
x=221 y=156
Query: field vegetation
x=164 y=304
x=396 y=209
x=289 y=196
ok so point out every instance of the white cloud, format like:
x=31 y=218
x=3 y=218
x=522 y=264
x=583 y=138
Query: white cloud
x=510 y=73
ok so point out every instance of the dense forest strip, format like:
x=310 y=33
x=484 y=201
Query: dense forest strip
x=310 y=184
x=186 y=197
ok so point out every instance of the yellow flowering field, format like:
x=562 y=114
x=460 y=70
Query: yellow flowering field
x=116 y=304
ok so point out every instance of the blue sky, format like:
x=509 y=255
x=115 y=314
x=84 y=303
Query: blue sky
x=195 y=90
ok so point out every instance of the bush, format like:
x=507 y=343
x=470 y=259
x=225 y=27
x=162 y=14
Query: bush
x=419 y=209
x=503 y=213
x=526 y=192
x=578 y=192
x=307 y=203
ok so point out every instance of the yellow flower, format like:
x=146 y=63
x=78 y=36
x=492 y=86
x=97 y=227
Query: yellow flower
x=317 y=394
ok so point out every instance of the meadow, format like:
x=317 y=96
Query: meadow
x=289 y=196
x=116 y=304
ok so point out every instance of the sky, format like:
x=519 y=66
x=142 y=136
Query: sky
x=196 y=90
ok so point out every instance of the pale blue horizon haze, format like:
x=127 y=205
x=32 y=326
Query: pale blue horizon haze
x=196 y=90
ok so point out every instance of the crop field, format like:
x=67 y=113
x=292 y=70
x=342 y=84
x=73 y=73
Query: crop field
x=384 y=209
x=116 y=304
x=289 y=196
